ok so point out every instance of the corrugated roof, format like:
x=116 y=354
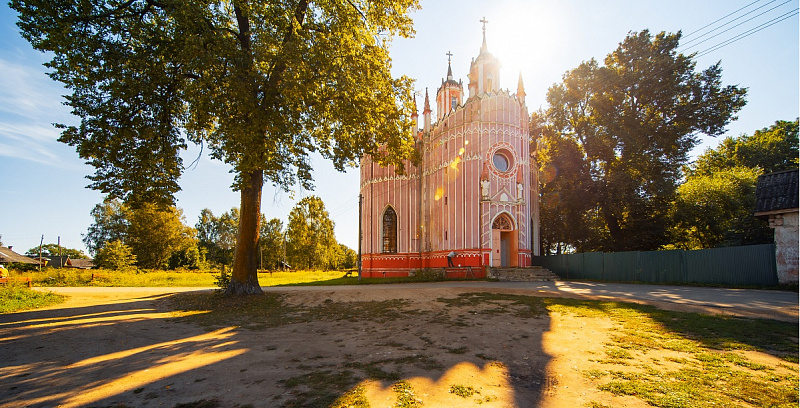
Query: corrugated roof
x=777 y=191
x=9 y=256
x=80 y=263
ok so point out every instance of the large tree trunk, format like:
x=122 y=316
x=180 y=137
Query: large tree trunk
x=244 y=280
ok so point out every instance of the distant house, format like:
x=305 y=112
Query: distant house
x=67 y=262
x=57 y=261
x=777 y=200
x=80 y=263
x=8 y=256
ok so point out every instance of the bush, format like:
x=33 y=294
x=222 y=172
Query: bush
x=115 y=255
x=15 y=297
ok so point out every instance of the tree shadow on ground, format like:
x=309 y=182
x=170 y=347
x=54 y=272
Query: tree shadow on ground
x=264 y=351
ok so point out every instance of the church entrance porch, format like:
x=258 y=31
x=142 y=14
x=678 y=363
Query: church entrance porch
x=504 y=242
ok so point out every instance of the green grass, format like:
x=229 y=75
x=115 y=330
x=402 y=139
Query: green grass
x=16 y=297
x=157 y=278
x=321 y=389
x=406 y=397
x=188 y=278
x=463 y=391
x=714 y=371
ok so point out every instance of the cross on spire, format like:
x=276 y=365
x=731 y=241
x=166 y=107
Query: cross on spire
x=449 y=54
x=483 y=46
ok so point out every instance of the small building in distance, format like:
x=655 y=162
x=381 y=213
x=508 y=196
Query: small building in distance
x=8 y=256
x=79 y=263
x=777 y=200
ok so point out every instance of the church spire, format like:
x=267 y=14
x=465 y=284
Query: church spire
x=426 y=113
x=449 y=70
x=484 y=48
x=520 y=89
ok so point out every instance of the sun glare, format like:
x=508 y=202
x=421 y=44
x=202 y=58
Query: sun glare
x=524 y=36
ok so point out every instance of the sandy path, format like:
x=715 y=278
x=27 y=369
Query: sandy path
x=121 y=347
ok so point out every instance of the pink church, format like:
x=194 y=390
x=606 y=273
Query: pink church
x=475 y=191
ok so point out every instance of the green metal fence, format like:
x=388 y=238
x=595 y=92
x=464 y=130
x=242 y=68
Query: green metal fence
x=743 y=265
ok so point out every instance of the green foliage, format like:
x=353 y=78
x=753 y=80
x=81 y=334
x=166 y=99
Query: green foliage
x=110 y=224
x=347 y=258
x=310 y=241
x=768 y=150
x=217 y=235
x=16 y=296
x=222 y=280
x=715 y=206
x=116 y=256
x=625 y=129
x=191 y=257
x=463 y=391
x=154 y=234
x=49 y=250
x=271 y=242
x=716 y=209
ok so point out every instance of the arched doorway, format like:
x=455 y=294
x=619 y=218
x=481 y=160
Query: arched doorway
x=504 y=242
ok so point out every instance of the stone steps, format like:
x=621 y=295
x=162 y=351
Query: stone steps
x=522 y=274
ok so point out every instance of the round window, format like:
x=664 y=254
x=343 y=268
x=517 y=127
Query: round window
x=500 y=162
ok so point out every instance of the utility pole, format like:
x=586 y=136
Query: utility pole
x=40 y=253
x=360 y=234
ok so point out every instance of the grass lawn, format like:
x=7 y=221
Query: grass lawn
x=155 y=278
x=15 y=297
x=147 y=278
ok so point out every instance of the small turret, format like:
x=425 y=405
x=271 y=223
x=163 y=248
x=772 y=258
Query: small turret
x=520 y=90
x=426 y=114
x=448 y=96
x=414 y=116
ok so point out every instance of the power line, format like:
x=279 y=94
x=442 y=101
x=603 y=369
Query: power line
x=737 y=25
x=710 y=24
x=748 y=33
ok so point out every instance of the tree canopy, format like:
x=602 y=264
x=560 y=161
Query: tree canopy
x=263 y=84
x=770 y=149
x=49 y=250
x=620 y=132
x=715 y=206
x=156 y=236
x=310 y=239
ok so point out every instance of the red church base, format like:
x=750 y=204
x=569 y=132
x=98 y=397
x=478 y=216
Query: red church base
x=467 y=264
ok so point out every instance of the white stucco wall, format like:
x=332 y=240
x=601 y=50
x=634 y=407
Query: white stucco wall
x=786 y=246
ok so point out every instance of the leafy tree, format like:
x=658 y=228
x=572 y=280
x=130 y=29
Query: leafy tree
x=564 y=178
x=262 y=83
x=115 y=255
x=770 y=149
x=207 y=228
x=110 y=224
x=715 y=205
x=191 y=257
x=154 y=234
x=271 y=242
x=713 y=210
x=348 y=258
x=49 y=250
x=310 y=240
x=634 y=120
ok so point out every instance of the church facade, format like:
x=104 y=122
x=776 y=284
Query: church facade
x=473 y=192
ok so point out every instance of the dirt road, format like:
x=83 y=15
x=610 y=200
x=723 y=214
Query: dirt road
x=126 y=347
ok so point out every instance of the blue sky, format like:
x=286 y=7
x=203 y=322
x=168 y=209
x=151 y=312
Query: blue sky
x=42 y=182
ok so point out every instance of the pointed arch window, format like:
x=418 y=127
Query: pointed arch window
x=503 y=223
x=389 y=231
